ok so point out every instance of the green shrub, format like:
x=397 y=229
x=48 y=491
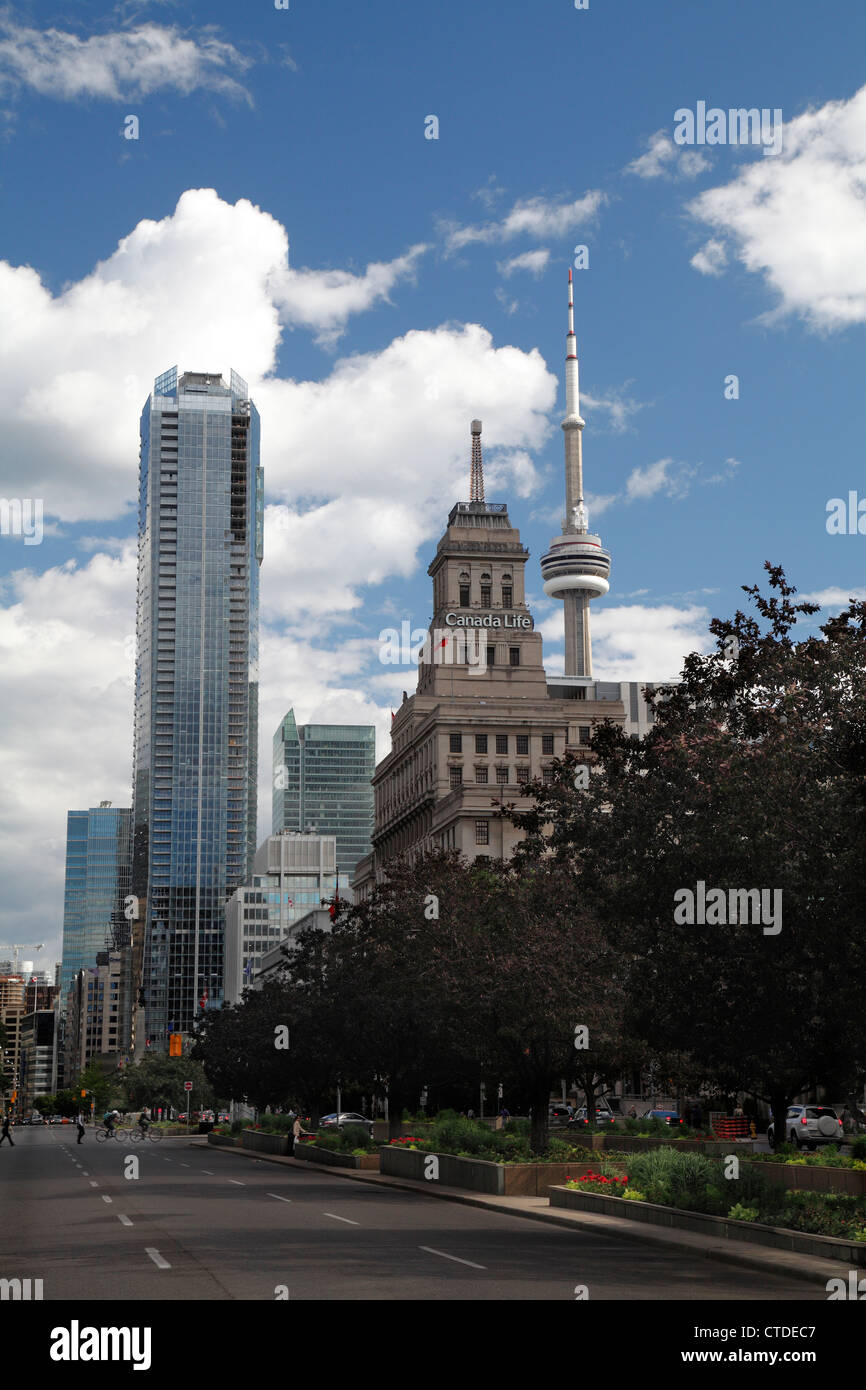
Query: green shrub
x=739 y=1212
x=858 y=1148
x=676 y=1179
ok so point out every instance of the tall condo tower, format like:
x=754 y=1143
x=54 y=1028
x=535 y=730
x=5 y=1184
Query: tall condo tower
x=575 y=568
x=196 y=693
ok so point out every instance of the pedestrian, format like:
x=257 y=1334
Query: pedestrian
x=504 y=1115
x=738 y=1111
x=80 y=1125
x=297 y=1131
x=570 y=1108
x=632 y=1114
x=470 y=1114
x=697 y=1115
x=4 y=1133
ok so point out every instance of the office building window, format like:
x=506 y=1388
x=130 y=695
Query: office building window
x=523 y=743
x=456 y=777
x=486 y=596
x=480 y=743
x=506 y=595
x=547 y=743
x=491 y=656
x=514 y=656
x=502 y=743
x=481 y=774
x=547 y=776
x=464 y=595
x=456 y=743
x=482 y=832
x=583 y=735
x=502 y=775
x=522 y=773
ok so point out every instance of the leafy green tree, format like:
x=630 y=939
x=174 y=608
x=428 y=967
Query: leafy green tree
x=751 y=778
x=158 y=1080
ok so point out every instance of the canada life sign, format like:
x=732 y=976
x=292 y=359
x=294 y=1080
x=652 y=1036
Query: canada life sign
x=509 y=620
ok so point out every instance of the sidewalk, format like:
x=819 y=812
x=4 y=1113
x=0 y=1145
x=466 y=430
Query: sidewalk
x=796 y=1266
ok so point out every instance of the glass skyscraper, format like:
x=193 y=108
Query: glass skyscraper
x=322 y=783
x=97 y=882
x=196 y=698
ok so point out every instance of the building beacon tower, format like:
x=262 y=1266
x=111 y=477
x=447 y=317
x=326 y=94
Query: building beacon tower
x=575 y=568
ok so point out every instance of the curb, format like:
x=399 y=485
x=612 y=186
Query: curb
x=793 y=1264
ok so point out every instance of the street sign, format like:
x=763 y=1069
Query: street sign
x=187 y=1085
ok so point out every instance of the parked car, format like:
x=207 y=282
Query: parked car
x=56 y=1120
x=670 y=1117
x=603 y=1116
x=346 y=1117
x=807 y=1126
x=224 y=1117
x=558 y=1114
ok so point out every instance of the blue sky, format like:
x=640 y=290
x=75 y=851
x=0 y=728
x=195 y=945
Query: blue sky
x=282 y=212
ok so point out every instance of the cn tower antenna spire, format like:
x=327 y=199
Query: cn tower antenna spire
x=476 y=479
x=576 y=567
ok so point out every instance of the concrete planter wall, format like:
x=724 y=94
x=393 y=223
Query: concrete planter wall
x=226 y=1141
x=264 y=1143
x=828 y=1247
x=311 y=1153
x=799 y=1178
x=477 y=1174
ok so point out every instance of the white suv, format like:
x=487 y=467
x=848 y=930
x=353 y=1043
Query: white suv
x=806 y=1126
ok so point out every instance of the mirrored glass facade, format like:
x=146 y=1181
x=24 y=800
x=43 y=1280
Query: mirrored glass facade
x=322 y=783
x=97 y=881
x=196 y=701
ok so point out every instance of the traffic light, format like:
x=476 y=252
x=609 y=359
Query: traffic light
x=175 y=1045
x=83 y=1092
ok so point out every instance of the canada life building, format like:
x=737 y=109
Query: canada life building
x=486 y=717
x=196 y=694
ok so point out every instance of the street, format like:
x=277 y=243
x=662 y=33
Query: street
x=205 y=1224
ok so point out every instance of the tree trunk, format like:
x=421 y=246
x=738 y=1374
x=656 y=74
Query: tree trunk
x=538 y=1111
x=779 y=1103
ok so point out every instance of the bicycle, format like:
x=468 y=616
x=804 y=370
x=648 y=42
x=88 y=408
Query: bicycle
x=137 y=1134
x=121 y=1135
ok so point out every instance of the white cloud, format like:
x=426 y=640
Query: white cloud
x=799 y=218
x=664 y=159
x=636 y=641
x=619 y=407
x=712 y=257
x=538 y=217
x=533 y=261
x=324 y=299
x=662 y=476
x=833 y=598
x=125 y=64
x=157 y=287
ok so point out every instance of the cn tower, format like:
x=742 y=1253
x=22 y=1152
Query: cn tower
x=575 y=568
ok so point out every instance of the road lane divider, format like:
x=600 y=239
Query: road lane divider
x=158 y=1259
x=334 y=1217
x=456 y=1258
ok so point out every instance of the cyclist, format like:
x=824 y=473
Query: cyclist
x=111 y=1119
x=143 y=1123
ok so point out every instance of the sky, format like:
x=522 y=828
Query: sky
x=369 y=211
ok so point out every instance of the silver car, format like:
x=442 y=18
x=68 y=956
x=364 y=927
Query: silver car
x=806 y=1126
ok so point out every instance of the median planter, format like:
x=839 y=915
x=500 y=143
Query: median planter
x=800 y=1177
x=719 y=1227
x=265 y=1143
x=633 y=1143
x=312 y=1153
x=477 y=1174
x=225 y=1141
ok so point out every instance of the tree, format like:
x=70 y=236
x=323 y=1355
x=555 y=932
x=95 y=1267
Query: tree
x=751 y=778
x=158 y=1081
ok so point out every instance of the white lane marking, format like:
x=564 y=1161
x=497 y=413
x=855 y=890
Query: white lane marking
x=156 y=1257
x=184 y=1165
x=334 y=1217
x=106 y=1199
x=84 y=1174
x=236 y=1183
x=208 y=1171
x=93 y=1184
x=446 y=1256
x=124 y=1220
x=278 y=1197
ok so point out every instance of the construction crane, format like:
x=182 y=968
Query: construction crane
x=25 y=946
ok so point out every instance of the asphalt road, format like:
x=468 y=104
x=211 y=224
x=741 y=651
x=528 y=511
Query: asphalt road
x=205 y=1224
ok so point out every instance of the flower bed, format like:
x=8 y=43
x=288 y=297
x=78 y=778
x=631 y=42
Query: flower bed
x=332 y=1158
x=475 y=1174
x=846 y=1249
